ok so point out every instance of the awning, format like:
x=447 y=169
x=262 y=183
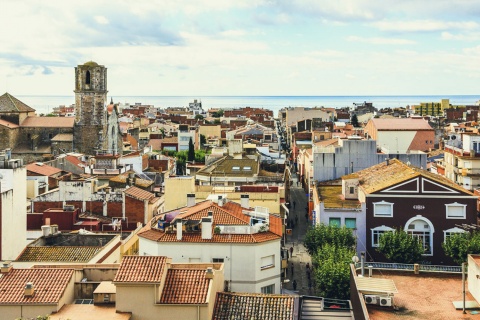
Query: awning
x=375 y=285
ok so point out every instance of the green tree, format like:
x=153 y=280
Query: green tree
x=332 y=271
x=198 y=117
x=322 y=234
x=218 y=113
x=459 y=246
x=203 y=140
x=200 y=156
x=354 y=121
x=399 y=246
x=191 y=150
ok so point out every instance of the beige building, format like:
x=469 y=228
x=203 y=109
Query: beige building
x=151 y=287
x=462 y=159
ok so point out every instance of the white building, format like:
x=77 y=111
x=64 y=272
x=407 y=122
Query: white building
x=247 y=241
x=13 y=206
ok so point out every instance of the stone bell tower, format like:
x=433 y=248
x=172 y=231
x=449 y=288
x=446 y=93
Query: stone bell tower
x=90 y=107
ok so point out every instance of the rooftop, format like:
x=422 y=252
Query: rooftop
x=42 y=169
x=185 y=286
x=423 y=296
x=332 y=197
x=230 y=305
x=146 y=269
x=9 y=103
x=89 y=312
x=48 y=122
x=396 y=124
x=12 y=285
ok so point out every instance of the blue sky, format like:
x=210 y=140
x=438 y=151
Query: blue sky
x=256 y=47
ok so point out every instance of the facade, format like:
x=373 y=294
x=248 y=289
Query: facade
x=425 y=205
x=330 y=162
x=462 y=159
x=183 y=291
x=13 y=204
x=401 y=135
x=247 y=241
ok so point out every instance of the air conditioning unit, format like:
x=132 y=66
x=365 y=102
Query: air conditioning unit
x=371 y=299
x=386 y=301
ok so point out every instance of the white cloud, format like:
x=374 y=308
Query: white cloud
x=470 y=36
x=378 y=40
x=101 y=20
x=424 y=25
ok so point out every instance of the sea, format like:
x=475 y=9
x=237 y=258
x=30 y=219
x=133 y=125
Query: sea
x=45 y=104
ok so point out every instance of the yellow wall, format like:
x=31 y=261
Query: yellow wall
x=176 y=190
x=210 y=131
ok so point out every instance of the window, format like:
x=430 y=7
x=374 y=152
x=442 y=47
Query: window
x=351 y=223
x=422 y=229
x=235 y=168
x=247 y=168
x=87 y=78
x=352 y=190
x=217 y=260
x=382 y=209
x=334 y=222
x=450 y=232
x=377 y=232
x=456 y=210
x=268 y=289
x=268 y=262
x=106 y=297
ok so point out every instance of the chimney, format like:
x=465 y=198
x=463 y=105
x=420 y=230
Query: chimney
x=245 y=201
x=220 y=201
x=131 y=178
x=387 y=161
x=190 y=199
x=207 y=227
x=29 y=289
x=179 y=229
x=209 y=273
x=6 y=267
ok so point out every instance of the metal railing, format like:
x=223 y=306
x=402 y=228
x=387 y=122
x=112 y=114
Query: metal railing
x=410 y=267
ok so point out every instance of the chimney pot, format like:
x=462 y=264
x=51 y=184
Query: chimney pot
x=179 y=230
x=209 y=273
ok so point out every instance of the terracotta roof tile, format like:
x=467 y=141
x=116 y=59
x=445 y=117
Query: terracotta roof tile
x=185 y=286
x=49 y=285
x=9 y=103
x=382 y=175
x=400 y=124
x=43 y=169
x=139 y=194
x=47 y=122
x=59 y=254
x=241 y=306
x=63 y=137
x=148 y=269
x=75 y=161
x=8 y=124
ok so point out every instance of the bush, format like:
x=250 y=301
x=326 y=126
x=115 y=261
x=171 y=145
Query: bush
x=401 y=247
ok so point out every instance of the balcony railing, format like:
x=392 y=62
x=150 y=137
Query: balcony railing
x=409 y=267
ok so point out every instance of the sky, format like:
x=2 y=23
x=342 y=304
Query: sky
x=254 y=47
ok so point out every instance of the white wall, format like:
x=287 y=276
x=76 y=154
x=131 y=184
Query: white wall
x=242 y=261
x=395 y=141
x=13 y=212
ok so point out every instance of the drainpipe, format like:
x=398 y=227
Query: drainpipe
x=362 y=262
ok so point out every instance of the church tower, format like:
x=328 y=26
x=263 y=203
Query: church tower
x=90 y=102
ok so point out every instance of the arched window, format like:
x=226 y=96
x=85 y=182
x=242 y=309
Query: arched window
x=87 y=78
x=421 y=228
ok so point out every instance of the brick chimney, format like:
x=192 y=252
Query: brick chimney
x=245 y=201
x=6 y=267
x=29 y=289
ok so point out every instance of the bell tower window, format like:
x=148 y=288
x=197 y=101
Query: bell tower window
x=87 y=78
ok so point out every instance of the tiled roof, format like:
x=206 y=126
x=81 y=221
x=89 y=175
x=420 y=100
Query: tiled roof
x=139 y=194
x=246 y=306
x=148 y=269
x=382 y=175
x=43 y=169
x=59 y=254
x=48 y=122
x=75 y=161
x=9 y=103
x=401 y=124
x=331 y=196
x=228 y=214
x=185 y=286
x=8 y=124
x=49 y=285
x=63 y=137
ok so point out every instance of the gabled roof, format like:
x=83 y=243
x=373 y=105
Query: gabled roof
x=75 y=161
x=139 y=194
x=59 y=254
x=9 y=103
x=144 y=269
x=8 y=124
x=381 y=176
x=185 y=286
x=229 y=305
x=48 y=122
x=42 y=169
x=49 y=285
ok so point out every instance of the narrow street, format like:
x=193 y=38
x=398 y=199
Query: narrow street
x=300 y=256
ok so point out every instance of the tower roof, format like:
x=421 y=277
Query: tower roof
x=91 y=64
x=9 y=103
